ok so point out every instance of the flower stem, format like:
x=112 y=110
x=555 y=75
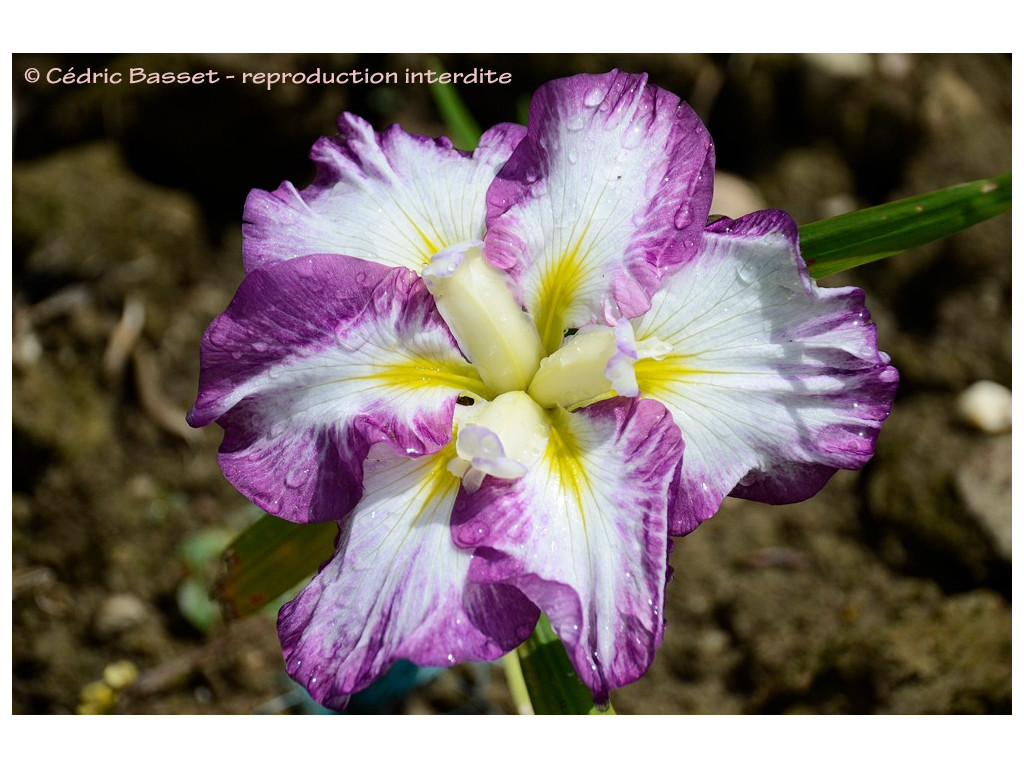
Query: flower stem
x=516 y=683
x=549 y=677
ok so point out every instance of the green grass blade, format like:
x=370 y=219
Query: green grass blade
x=846 y=241
x=550 y=678
x=463 y=130
x=269 y=558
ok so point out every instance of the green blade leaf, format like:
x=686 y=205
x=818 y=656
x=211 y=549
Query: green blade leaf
x=269 y=558
x=463 y=130
x=846 y=241
x=550 y=678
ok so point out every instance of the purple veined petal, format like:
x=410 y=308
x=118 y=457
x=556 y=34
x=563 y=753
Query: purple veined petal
x=608 y=191
x=391 y=197
x=775 y=382
x=316 y=359
x=584 y=534
x=397 y=589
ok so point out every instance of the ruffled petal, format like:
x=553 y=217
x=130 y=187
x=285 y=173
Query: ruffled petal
x=393 y=198
x=609 y=189
x=584 y=534
x=316 y=359
x=775 y=382
x=396 y=589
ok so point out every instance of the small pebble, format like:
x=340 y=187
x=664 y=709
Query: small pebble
x=120 y=674
x=986 y=406
x=118 y=614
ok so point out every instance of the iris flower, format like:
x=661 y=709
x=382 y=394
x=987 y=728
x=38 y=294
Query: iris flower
x=512 y=376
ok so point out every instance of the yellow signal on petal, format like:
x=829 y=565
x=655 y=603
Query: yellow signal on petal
x=559 y=286
x=655 y=377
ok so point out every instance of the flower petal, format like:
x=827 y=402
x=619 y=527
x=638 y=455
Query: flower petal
x=396 y=589
x=393 y=198
x=775 y=382
x=314 y=360
x=609 y=189
x=583 y=534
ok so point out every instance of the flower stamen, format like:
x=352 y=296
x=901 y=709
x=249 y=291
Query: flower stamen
x=492 y=330
x=502 y=438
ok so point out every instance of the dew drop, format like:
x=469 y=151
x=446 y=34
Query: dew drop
x=594 y=97
x=747 y=273
x=474 y=535
x=236 y=355
x=296 y=477
x=633 y=136
x=683 y=217
x=260 y=346
x=653 y=183
x=575 y=123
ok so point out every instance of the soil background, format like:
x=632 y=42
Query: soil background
x=889 y=592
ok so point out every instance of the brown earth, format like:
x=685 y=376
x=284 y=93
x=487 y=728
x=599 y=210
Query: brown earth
x=889 y=592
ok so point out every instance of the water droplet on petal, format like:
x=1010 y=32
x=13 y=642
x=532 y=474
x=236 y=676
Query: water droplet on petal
x=748 y=272
x=594 y=97
x=575 y=123
x=683 y=217
x=633 y=136
x=296 y=477
x=474 y=534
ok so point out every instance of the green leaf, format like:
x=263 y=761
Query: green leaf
x=201 y=552
x=463 y=130
x=550 y=678
x=269 y=558
x=860 y=237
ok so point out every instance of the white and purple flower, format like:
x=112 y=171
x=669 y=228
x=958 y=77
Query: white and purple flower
x=511 y=376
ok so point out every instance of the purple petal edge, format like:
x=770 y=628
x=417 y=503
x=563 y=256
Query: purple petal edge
x=308 y=466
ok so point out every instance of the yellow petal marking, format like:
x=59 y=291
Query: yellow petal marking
x=426 y=373
x=655 y=378
x=558 y=288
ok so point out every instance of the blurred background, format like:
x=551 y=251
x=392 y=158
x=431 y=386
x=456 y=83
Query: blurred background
x=889 y=592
